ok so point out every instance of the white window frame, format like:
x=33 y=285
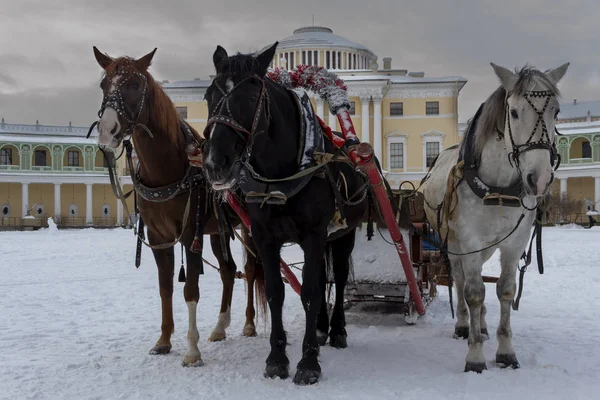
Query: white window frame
x=431 y=136
x=102 y=210
x=396 y=137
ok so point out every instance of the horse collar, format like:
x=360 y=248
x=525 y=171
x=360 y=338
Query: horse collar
x=166 y=192
x=491 y=195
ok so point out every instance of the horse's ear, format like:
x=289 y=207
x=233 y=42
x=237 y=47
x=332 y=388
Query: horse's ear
x=555 y=75
x=507 y=77
x=220 y=59
x=103 y=59
x=144 y=62
x=265 y=58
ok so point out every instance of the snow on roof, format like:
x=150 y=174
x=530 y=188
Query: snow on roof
x=318 y=36
x=196 y=83
x=579 y=109
x=47 y=130
x=579 y=128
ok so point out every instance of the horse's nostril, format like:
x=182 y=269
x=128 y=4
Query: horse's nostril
x=530 y=181
x=113 y=131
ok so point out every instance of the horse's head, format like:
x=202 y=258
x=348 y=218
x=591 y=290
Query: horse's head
x=236 y=103
x=531 y=107
x=125 y=88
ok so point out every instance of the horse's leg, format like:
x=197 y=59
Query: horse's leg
x=341 y=251
x=308 y=370
x=323 y=318
x=483 y=323
x=227 y=272
x=474 y=292
x=461 y=328
x=505 y=290
x=268 y=250
x=255 y=278
x=165 y=261
x=191 y=293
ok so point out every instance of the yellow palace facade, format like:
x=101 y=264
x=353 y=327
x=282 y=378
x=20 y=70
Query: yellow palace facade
x=55 y=171
x=408 y=117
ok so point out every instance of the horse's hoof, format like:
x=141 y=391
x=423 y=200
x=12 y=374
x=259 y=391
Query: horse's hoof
x=338 y=341
x=217 y=336
x=249 y=331
x=461 y=332
x=485 y=334
x=475 y=367
x=192 y=361
x=507 y=360
x=277 y=370
x=307 y=376
x=160 y=349
x=321 y=338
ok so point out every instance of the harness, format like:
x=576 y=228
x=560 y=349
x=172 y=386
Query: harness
x=193 y=177
x=257 y=188
x=511 y=196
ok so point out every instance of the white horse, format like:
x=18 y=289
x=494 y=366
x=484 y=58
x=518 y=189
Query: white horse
x=490 y=201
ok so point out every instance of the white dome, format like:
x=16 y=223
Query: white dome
x=318 y=37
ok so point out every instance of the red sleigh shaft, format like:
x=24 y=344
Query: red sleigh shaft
x=362 y=157
x=241 y=212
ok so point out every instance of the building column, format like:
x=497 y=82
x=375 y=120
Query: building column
x=597 y=192
x=88 y=204
x=563 y=187
x=119 y=212
x=377 y=136
x=56 y=201
x=364 y=105
x=25 y=198
x=320 y=108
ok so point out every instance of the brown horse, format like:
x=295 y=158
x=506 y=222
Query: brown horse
x=173 y=199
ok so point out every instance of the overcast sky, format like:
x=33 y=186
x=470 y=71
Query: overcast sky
x=48 y=71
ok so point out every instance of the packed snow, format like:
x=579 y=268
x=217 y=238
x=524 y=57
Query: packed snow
x=78 y=320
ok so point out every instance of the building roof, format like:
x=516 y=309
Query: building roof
x=46 y=133
x=579 y=109
x=196 y=83
x=318 y=36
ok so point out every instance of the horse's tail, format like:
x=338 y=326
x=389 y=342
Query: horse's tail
x=258 y=272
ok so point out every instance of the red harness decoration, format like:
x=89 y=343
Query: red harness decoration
x=332 y=89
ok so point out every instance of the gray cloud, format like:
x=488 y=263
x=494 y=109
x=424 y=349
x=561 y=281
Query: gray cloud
x=52 y=74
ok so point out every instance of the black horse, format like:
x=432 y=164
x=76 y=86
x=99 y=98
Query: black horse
x=254 y=137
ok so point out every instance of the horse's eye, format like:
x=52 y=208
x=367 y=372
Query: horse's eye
x=514 y=114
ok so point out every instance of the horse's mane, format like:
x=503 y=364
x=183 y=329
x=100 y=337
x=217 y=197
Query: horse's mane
x=493 y=113
x=161 y=110
x=240 y=65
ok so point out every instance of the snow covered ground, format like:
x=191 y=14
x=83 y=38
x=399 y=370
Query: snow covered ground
x=77 y=321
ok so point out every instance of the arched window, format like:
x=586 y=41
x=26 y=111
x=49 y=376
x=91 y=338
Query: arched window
x=5 y=209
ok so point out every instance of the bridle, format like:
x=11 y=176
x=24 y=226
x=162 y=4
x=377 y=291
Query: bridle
x=544 y=143
x=115 y=101
x=218 y=117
